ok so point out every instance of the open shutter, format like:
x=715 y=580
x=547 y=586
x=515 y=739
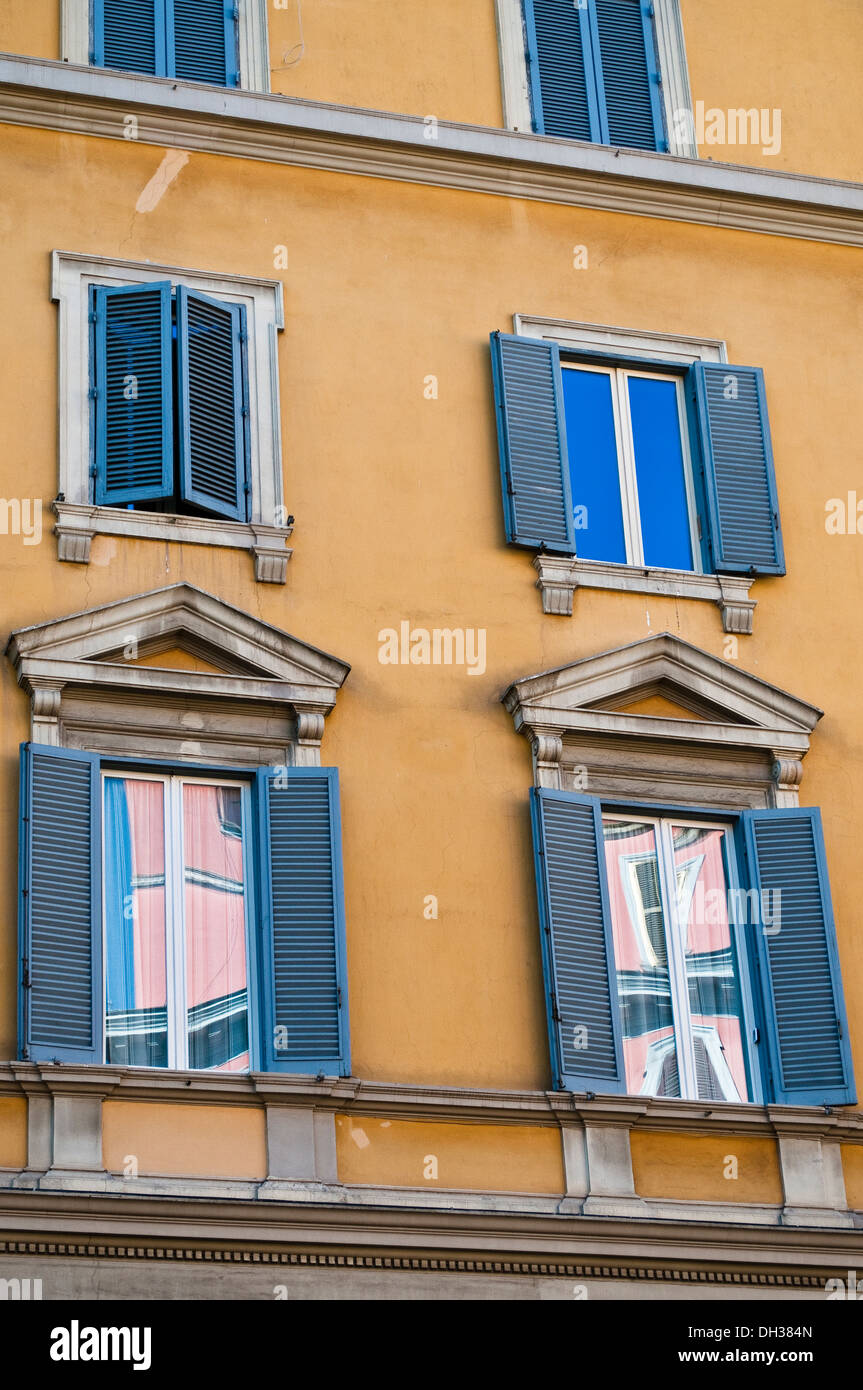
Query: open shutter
x=577 y=946
x=304 y=997
x=130 y=37
x=563 y=92
x=202 y=41
x=531 y=435
x=804 y=1007
x=211 y=403
x=60 y=919
x=739 y=478
x=627 y=74
x=134 y=444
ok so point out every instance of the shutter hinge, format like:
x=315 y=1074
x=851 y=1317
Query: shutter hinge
x=698 y=523
x=243 y=336
x=25 y=974
x=339 y=992
x=756 y=1035
x=245 y=412
x=25 y=1054
x=776 y=520
x=247 y=487
x=93 y=393
x=839 y=1028
x=93 y=317
x=555 y=1012
x=235 y=12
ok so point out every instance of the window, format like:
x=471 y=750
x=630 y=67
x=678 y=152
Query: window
x=193 y=40
x=635 y=462
x=170 y=401
x=594 y=73
x=679 y=963
x=176 y=906
x=630 y=472
x=678 y=986
x=158 y=929
x=183 y=443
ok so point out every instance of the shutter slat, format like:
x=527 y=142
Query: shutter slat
x=204 y=41
x=578 y=956
x=210 y=403
x=60 y=920
x=564 y=102
x=133 y=380
x=303 y=947
x=532 y=443
x=628 y=74
x=799 y=965
x=740 y=482
x=129 y=36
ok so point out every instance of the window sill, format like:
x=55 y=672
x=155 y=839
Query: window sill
x=77 y=524
x=561 y=575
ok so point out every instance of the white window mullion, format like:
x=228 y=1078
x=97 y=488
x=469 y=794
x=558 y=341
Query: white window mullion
x=689 y=477
x=675 y=934
x=626 y=463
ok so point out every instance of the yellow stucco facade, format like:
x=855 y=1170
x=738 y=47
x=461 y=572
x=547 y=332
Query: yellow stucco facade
x=396 y=497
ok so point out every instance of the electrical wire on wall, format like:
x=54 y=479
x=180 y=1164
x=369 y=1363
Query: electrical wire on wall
x=289 y=60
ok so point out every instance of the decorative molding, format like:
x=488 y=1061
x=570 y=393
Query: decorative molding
x=264 y=701
x=561 y=575
x=72 y=274
x=285 y=130
x=722 y=758
x=253 y=43
x=676 y=93
x=75 y=45
x=786 y=774
x=514 y=83
x=78 y=523
x=675 y=348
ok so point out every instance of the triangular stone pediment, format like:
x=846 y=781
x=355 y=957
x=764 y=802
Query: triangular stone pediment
x=653 y=686
x=177 y=638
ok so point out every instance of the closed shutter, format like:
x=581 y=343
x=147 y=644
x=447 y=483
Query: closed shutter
x=627 y=75
x=212 y=414
x=804 y=1007
x=60 y=1015
x=304 y=1014
x=532 y=443
x=203 y=36
x=130 y=36
x=134 y=444
x=558 y=49
x=578 y=951
x=739 y=478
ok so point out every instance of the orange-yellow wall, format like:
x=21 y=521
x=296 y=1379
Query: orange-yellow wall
x=13 y=1132
x=146 y=1138
x=398 y=516
x=490 y=1158
x=700 y=1169
x=442 y=59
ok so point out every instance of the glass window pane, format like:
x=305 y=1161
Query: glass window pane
x=215 y=916
x=711 y=967
x=592 y=444
x=659 y=470
x=641 y=958
x=135 y=956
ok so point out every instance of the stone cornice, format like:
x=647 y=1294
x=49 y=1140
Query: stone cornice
x=350 y=1095
x=60 y=96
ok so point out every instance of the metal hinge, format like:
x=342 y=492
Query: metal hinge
x=555 y=1013
x=25 y=975
x=839 y=1028
x=339 y=992
x=756 y=1035
x=93 y=393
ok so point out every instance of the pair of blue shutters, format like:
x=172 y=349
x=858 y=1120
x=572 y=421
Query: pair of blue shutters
x=193 y=40
x=795 y=972
x=299 y=981
x=138 y=377
x=729 y=430
x=594 y=73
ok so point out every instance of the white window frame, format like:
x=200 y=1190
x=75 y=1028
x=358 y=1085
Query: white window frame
x=674 y=926
x=670 y=52
x=175 y=923
x=252 y=40
x=624 y=438
x=79 y=519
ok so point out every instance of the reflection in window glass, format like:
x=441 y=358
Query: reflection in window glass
x=591 y=442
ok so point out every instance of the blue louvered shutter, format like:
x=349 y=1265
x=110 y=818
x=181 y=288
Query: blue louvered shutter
x=627 y=74
x=202 y=41
x=531 y=433
x=563 y=91
x=577 y=945
x=130 y=35
x=804 y=1006
x=745 y=535
x=134 y=430
x=211 y=403
x=304 y=998
x=60 y=919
